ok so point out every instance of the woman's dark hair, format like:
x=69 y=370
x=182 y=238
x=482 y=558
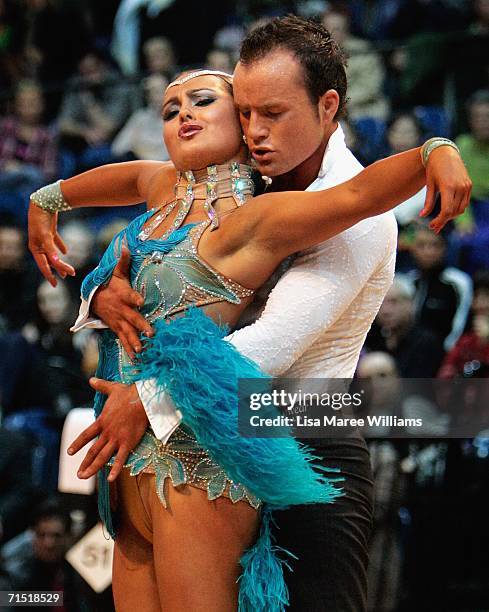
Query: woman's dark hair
x=322 y=60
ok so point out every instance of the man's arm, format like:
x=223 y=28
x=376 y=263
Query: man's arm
x=309 y=298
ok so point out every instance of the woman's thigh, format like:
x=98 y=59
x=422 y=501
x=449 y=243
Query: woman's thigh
x=133 y=573
x=197 y=546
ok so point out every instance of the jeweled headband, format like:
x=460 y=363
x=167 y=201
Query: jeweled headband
x=198 y=73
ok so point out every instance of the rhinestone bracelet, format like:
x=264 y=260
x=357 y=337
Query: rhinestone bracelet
x=432 y=144
x=50 y=198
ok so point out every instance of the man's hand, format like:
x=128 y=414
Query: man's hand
x=44 y=242
x=446 y=174
x=116 y=304
x=119 y=428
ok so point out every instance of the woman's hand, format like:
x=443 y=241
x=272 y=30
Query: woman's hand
x=45 y=243
x=119 y=428
x=446 y=174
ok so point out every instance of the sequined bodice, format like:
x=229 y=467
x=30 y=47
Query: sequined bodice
x=170 y=274
x=171 y=282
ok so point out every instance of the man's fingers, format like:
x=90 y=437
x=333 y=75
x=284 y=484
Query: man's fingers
x=132 y=337
x=429 y=201
x=124 y=263
x=100 y=385
x=126 y=344
x=86 y=435
x=92 y=453
x=119 y=462
x=100 y=460
x=137 y=321
x=135 y=299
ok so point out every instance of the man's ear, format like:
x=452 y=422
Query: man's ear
x=328 y=105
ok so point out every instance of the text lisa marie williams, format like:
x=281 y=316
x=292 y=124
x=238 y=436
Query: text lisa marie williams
x=334 y=421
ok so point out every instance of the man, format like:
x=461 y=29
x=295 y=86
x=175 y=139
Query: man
x=290 y=87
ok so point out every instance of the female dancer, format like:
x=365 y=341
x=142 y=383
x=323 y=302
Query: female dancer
x=181 y=563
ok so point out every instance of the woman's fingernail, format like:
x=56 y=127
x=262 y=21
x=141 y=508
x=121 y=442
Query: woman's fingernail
x=70 y=451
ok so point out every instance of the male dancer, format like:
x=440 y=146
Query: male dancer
x=290 y=87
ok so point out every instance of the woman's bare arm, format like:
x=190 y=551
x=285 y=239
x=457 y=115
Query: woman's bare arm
x=292 y=221
x=111 y=185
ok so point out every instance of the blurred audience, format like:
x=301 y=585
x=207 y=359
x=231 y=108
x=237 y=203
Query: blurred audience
x=95 y=107
x=365 y=70
x=218 y=59
x=159 y=57
x=12 y=41
x=16 y=493
x=474 y=146
x=80 y=241
x=18 y=276
x=28 y=151
x=63 y=383
x=43 y=566
x=142 y=135
x=417 y=351
x=53 y=49
x=471 y=352
x=443 y=293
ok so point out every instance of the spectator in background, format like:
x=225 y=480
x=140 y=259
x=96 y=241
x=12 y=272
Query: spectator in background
x=375 y=20
x=11 y=42
x=404 y=132
x=28 y=152
x=474 y=146
x=53 y=47
x=18 y=277
x=471 y=352
x=417 y=351
x=96 y=105
x=80 y=241
x=59 y=364
x=16 y=494
x=159 y=57
x=365 y=70
x=140 y=138
x=443 y=294
x=218 y=59
x=44 y=568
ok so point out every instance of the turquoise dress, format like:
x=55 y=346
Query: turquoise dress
x=190 y=360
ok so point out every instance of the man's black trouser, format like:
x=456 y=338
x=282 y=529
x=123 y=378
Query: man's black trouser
x=331 y=540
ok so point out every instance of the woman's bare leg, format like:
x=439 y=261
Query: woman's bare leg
x=133 y=573
x=197 y=546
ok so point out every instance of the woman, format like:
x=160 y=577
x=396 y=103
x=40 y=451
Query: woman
x=175 y=256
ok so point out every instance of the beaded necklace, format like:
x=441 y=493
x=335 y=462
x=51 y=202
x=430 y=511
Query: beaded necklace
x=210 y=184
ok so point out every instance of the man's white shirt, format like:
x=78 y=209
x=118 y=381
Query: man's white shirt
x=317 y=316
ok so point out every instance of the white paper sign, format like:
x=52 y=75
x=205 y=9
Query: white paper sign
x=76 y=421
x=92 y=558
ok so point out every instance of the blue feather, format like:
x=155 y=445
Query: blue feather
x=189 y=358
